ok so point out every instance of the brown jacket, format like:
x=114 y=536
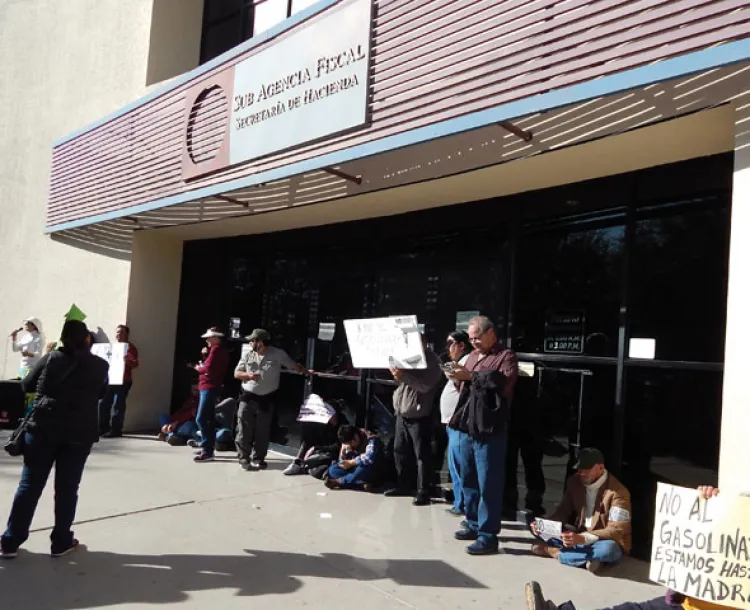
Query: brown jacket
x=611 y=495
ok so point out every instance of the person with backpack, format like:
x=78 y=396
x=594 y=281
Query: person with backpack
x=62 y=428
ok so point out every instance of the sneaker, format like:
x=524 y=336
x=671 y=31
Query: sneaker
x=193 y=443
x=422 y=499
x=176 y=441
x=333 y=484
x=593 y=566
x=535 y=599
x=73 y=547
x=161 y=436
x=466 y=534
x=245 y=464
x=456 y=512
x=544 y=550
x=483 y=547
x=294 y=468
x=8 y=554
x=259 y=464
x=204 y=457
x=112 y=434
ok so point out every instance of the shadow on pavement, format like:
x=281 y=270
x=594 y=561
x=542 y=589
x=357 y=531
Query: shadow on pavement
x=93 y=579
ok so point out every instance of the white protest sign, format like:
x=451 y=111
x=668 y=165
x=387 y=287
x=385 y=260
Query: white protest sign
x=114 y=354
x=315 y=410
x=379 y=343
x=548 y=529
x=701 y=548
x=326 y=331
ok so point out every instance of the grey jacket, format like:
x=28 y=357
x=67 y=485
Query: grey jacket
x=415 y=396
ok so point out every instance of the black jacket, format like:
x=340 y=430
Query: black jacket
x=68 y=387
x=482 y=409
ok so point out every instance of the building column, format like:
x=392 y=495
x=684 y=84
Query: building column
x=153 y=301
x=735 y=420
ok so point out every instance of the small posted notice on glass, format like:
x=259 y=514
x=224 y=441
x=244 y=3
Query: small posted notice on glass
x=381 y=343
x=114 y=354
x=701 y=548
x=548 y=529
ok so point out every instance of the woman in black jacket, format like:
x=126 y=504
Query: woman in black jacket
x=64 y=426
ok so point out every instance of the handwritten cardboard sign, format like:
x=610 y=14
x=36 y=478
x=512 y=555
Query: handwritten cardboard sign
x=701 y=548
x=315 y=410
x=379 y=343
x=549 y=529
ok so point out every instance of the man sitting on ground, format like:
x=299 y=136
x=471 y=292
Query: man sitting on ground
x=359 y=461
x=597 y=505
x=182 y=427
x=671 y=601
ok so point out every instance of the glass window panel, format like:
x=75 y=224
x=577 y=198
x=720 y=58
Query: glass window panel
x=219 y=38
x=301 y=5
x=572 y=268
x=269 y=14
x=220 y=9
x=679 y=281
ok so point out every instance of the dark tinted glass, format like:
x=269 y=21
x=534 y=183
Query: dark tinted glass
x=221 y=37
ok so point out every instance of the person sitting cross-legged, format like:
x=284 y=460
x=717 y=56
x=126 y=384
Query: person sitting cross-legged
x=597 y=506
x=359 y=461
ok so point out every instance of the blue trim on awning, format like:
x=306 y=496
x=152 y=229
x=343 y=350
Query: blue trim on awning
x=668 y=69
x=260 y=39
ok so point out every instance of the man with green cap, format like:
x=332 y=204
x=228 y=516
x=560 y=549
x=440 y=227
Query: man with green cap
x=596 y=512
x=259 y=369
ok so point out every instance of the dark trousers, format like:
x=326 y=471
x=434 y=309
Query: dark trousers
x=206 y=419
x=254 y=419
x=525 y=442
x=315 y=434
x=412 y=442
x=660 y=603
x=112 y=408
x=38 y=458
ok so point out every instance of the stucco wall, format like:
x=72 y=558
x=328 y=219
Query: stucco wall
x=62 y=65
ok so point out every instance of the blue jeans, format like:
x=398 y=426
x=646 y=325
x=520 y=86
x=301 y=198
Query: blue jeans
x=38 y=458
x=206 y=419
x=454 y=467
x=112 y=408
x=482 y=468
x=188 y=430
x=606 y=551
x=353 y=479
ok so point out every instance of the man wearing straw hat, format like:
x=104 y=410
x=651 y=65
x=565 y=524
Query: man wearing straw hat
x=210 y=379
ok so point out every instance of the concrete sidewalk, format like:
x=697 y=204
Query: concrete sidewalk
x=160 y=529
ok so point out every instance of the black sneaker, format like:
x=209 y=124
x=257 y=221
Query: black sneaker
x=74 y=546
x=466 y=534
x=193 y=443
x=259 y=464
x=8 y=554
x=112 y=434
x=422 y=500
x=245 y=464
x=204 y=457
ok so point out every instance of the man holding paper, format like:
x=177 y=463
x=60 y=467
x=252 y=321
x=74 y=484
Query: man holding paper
x=595 y=511
x=673 y=600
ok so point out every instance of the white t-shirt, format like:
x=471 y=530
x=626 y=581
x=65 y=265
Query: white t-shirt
x=449 y=397
x=29 y=342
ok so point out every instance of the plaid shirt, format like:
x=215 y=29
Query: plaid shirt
x=371 y=453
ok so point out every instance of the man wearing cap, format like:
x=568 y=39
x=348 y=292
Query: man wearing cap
x=259 y=370
x=596 y=508
x=210 y=379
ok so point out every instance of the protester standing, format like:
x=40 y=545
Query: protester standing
x=62 y=429
x=413 y=402
x=211 y=375
x=459 y=347
x=29 y=341
x=112 y=408
x=481 y=418
x=259 y=369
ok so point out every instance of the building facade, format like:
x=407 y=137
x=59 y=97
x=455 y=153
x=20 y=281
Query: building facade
x=576 y=170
